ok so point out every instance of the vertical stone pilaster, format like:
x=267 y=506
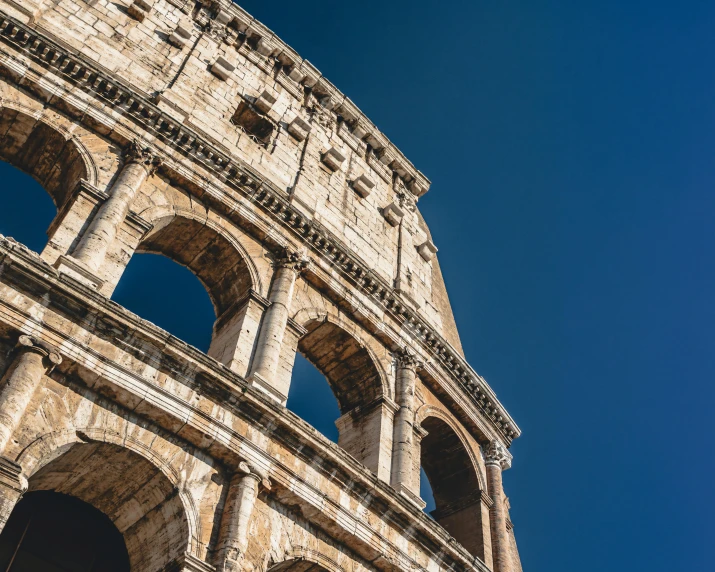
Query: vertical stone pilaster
x=498 y=459
x=236 y=518
x=403 y=436
x=12 y=487
x=88 y=257
x=20 y=383
x=275 y=319
x=17 y=389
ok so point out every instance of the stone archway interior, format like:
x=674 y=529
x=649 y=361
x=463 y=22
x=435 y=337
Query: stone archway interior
x=52 y=532
x=454 y=483
x=346 y=364
x=138 y=499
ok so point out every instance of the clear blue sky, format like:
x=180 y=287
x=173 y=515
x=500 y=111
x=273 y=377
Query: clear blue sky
x=571 y=150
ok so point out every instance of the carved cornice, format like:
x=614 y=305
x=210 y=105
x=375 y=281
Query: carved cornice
x=238 y=175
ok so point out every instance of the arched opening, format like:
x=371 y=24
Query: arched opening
x=170 y=296
x=298 y=565
x=454 y=484
x=345 y=362
x=133 y=494
x=328 y=352
x=311 y=398
x=166 y=290
x=52 y=532
x=50 y=156
x=27 y=210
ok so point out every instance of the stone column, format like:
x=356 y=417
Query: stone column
x=139 y=163
x=17 y=389
x=270 y=338
x=236 y=518
x=403 y=432
x=21 y=382
x=498 y=459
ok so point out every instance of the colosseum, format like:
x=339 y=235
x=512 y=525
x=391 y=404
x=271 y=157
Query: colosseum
x=188 y=129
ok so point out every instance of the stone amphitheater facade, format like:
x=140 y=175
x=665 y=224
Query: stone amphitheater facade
x=190 y=130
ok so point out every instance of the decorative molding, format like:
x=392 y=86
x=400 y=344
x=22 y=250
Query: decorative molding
x=497 y=454
x=238 y=175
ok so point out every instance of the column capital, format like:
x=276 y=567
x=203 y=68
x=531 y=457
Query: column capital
x=245 y=471
x=496 y=454
x=292 y=259
x=28 y=343
x=406 y=359
x=140 y=154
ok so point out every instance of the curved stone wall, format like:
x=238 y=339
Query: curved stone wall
x=189 y=130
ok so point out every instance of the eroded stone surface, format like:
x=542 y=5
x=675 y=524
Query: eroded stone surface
x=189 y=130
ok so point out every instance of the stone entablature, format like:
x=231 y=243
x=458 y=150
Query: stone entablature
x=211 y=411
x=172 y=136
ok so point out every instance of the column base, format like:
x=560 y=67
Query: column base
x=12 y=487
x=257 y=381
x=75 y=269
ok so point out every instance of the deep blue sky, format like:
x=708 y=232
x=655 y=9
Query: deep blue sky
x=571 y=150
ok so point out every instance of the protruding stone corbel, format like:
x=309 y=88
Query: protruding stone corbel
x=265 y=101
x=363 y=185
x=223 y=67
x=181 y=34
x=333 y=159
x=427 y=250
x=139 y=9
x=299 y=128
x=393 y=214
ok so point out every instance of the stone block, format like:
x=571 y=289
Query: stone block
x=299 y=128
x=181 y=34
x=333 y=159
x=427 y=250
x=139 y=9
x=393 y=214
x=363 y=185
x=265 y=101
x=222 y=68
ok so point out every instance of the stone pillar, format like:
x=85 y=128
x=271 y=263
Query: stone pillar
x=21 y=382
x=403 y=436
x=498 y=459
x=17 y=389
x=139 y=163
x=236 y=518
x=275 y=319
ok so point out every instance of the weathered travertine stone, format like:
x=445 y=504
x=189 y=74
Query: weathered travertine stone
x=273 y=326
x=18 y=386
x=300 y=219
x=497 y=459
x=140 y=162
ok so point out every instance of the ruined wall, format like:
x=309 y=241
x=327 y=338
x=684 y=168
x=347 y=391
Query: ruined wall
x=189 y=130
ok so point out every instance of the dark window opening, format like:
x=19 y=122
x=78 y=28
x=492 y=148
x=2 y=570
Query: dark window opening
x=253 y=123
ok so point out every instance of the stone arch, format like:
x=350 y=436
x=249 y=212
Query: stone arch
x=45 y=150
x=455 y=476
x=336 y=348
x=217 y=259
x=87 y=463
x=301 y=559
